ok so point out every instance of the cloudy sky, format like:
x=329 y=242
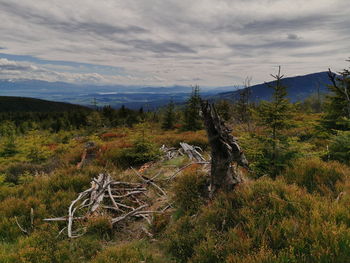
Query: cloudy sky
x=164 y=42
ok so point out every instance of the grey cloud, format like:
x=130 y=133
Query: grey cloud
x=330 y=52
x=159 y=47
x=20 y=70
x=6 y=65
x=292 y=36
x=97 y=28
x=197 y=39
x=272 y=45
x=109 y=31
x=273 y=24
x=15 y=67
x=70 y=25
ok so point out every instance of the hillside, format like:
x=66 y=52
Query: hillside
x=20 y=104
x=175 y=186
x=264 y=220
x=299 y=88
x=55 y=170
x=134 y=97
x=151 y=98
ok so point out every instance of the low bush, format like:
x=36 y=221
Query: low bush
x=339 y=148
x=44 y=246
x=134 y=252
x=189 y=190
x=173 y=139
x=15 y=171
x=112 y=135
x=263 y=221
x=318 y=176
x=100 y=226
x=160 y=222
x=141 y=152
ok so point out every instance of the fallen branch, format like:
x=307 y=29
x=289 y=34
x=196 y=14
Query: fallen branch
x=20 y=227
x=149 y=181
x=118 y=219
x=183 y=168
x=193 y=152
x=120 y=200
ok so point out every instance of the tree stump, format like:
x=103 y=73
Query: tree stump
x=224 y=151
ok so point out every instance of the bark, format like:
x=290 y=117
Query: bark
x=224 y=151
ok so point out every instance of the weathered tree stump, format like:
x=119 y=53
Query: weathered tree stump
x=224 y=151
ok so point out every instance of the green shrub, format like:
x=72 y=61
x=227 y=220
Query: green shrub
x=160 y=222
x=317 y=176
x=15 y=171
x=181 y=239
x=264 y=221
x=39 y=247
x=189 y=190
x=173 y=138
x=339 y=148
x=43 y=246
x=134 y=252
x=100 y=226
x=9 y=148
x=141 y=152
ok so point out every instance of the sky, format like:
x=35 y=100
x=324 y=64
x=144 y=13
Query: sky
x=171 y=42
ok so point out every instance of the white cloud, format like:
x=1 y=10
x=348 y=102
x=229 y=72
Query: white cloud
x=210 y=42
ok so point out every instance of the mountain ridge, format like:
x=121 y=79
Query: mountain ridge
x=298 y=88
x=24 y=104
x=152 y=97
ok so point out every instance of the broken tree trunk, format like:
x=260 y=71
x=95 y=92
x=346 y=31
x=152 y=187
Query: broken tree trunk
x=224 y=151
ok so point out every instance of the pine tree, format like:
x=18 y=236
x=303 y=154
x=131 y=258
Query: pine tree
x=192 y=118
x=276 y=117
x=338 y=102
x=169 y=116
x=7 y=134
x=242 y=108
x=223 y=108
x=94 y=121
x=110 y=117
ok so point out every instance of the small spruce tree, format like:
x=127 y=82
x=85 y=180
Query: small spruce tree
x=338 y=102
x=224 y=109
x=192 y=117
x=242 y=107
x=276 y=115
x=7 y=134
x=169 y=116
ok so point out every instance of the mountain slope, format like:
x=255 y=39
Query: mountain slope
x=298 y=88
x=20 y=104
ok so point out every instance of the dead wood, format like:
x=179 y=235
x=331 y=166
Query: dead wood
x=120 y=200
x=184 y=167
x=224 y=151
x=149 y=181
x=87 y=155
x=193 y=152
x=27 y=231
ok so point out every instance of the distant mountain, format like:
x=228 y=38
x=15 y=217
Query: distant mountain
x=298 y=88
x=151 y=98
x=20 y=104
x=132 y=97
